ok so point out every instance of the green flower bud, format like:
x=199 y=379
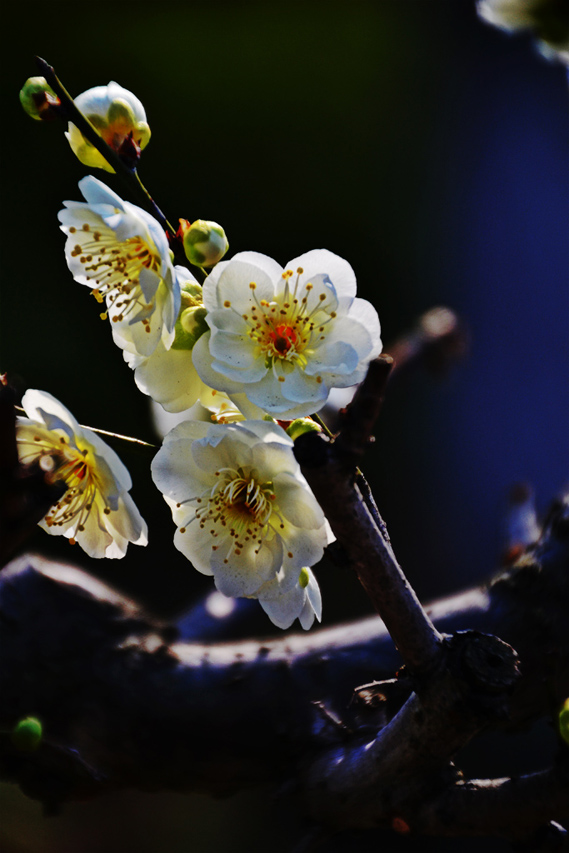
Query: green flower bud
x=191 y=322
x=27 y=734
x=300 y=426
x=564 y=722
x=204 y=242
x=38 y=99
x=303 y=578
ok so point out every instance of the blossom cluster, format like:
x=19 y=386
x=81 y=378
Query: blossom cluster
x=254 y=344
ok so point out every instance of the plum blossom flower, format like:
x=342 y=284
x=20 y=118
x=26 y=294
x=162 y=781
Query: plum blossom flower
x=122 y=253
x=243 y=511
x=96 y=511
x=284 y=338
x=167 y=374
x=303 y=601
x=116 y=115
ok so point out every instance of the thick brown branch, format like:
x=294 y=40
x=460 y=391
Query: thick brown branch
x=124 y=706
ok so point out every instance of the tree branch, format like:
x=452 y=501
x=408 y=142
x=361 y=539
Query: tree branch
x=124 y=705
x=330 y=469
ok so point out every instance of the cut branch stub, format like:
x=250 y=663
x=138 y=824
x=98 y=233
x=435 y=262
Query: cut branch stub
x=366 y=783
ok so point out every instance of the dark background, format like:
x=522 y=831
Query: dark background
x=427 y=149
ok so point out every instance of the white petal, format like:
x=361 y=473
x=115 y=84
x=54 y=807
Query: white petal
x=296 y=501
x=283 y=609
x=195 y=546
x=300 y=387
x=43 y=407
x=96 y=192
x=244 y=573
x=234 y=283
x=364 y=313
x=335 y=268
x=268 y=395
x=206 y=368
x=128 y=522
x=335 y=356
x=169 y=377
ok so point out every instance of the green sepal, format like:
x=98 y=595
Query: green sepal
x=300 y=426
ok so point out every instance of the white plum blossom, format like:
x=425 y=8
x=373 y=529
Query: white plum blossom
x=284 y=338
x=243 y=511
x=167 y=374
x=122 y=253
x=116 y=114
x=96 y=510
x=303 y=601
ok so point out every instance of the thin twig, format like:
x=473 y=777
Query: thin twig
x=130 y=439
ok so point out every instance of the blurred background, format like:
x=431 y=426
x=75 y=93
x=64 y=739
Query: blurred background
x=426 y=148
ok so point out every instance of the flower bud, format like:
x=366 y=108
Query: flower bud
x=204 y=242
x=300 y=426
x=304 y=578
x=27 y=734
x=118 y=116
x=38 y=99
x=191 y=322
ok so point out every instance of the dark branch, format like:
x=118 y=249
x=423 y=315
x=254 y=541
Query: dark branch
x=330 y=469
x=125 y=706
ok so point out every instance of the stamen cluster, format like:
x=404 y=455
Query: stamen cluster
x=243 y=511
x=284 y=338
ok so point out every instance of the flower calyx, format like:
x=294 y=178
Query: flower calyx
x=301 y=426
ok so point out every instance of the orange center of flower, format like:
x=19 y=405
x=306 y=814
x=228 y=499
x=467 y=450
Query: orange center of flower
x=284 y=338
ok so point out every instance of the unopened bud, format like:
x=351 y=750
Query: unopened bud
x=300 y=426
x=191 y=323
x=27 y=734
x=204 y=242
x=38 y=99
x=303 y=578
x=118 y=117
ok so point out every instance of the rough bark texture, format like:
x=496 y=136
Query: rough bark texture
x=126 y=705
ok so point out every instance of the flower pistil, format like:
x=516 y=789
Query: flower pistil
x=286 y=329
